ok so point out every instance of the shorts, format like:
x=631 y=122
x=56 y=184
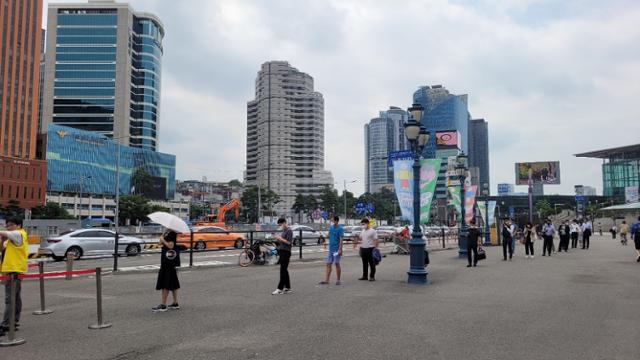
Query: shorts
x=332 y=258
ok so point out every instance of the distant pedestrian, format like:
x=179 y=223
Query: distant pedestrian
x=284 y=252
x=635 y=232
x=548 y=230
x=575 y=230
x=564 y=231
x=15 y=251
x=168 y=275
x=613 y=231
x=508 y=237
x=624 y=231
x=473 y=240
x=529 y=236
x=587 y=228
x=336 y=233
x=368 y=240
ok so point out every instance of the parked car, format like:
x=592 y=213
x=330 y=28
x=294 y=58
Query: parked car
x=386 y=233
x=310 y=236
x=85 y=242
x=350 y=232
x=211 y=237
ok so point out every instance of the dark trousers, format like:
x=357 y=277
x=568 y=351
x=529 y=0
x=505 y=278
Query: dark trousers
x=564 y=243
x=585 y=239
x=528 y=247
x=7 y=301
x=507 y=243
x=285 y=282
x=367 y=262
x=474 y=248
x=574 y=240
x=547 y=245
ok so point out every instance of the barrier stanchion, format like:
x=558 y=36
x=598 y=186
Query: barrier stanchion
x=191 y=249
x=11 y=339
x=100 y=324
x=115 y=252
x=43 y=309
x=443 y=239
x=69 y=276
x=300 y=243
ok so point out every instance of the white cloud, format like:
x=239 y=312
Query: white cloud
x=551 y=78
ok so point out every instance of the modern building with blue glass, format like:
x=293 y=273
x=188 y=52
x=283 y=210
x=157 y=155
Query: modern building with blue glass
x=479 y=150
x=86 y=162
x=102 y=71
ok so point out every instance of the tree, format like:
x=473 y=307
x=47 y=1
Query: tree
x=351 y=201
x=329 y=199
x=310 y=205
x=196 y=211
x=12 y=209
x=249 y=200
x=543 y=208
x=299 y=206
x=235 y=183
x=155 y=208
x=142 y=182
x=135 y=208
x=50 y=211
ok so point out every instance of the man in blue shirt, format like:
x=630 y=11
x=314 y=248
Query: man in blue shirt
x=635 y=233
x=336 y=232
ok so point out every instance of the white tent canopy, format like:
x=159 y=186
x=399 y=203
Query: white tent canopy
x=628 y=207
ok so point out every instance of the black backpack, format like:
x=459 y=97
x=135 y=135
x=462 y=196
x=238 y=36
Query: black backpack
x=505 y=233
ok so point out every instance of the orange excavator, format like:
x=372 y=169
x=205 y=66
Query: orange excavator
x=218 y=219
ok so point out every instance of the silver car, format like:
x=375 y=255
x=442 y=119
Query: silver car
x=87 y=242
x=309 y=235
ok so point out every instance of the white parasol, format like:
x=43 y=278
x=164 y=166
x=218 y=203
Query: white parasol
x=169 y=221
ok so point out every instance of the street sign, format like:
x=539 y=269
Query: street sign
x=325 y=215
x=399 y=155
x=370 y=207
x=579 y=198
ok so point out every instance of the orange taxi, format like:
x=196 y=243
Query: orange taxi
x=211 y=237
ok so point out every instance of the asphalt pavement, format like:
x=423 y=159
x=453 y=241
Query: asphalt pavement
x=577 y=305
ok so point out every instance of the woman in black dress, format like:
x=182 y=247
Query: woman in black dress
x=168 y=276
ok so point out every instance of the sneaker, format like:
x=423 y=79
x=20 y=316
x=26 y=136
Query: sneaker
x=469 y=265
x=338 y=283
x=174 y=306
x=277 y=292
x=323 y=283
x=363 y=278
x=531 y=257
x=372 y=279
x=638 y=260
x=160 y=308
x=287 y=291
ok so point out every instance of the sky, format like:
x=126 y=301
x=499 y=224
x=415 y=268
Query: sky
x=552 y=78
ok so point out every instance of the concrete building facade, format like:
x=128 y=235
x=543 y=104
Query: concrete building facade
x=102 y=71
x=479 y=150
x=285 y=135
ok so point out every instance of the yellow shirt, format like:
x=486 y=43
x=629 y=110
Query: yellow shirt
x=15 y=257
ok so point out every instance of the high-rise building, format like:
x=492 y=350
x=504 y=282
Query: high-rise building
x=102 y=71
x=22 y=177
x=383 y=135
x=285 y=135
x=479 y=149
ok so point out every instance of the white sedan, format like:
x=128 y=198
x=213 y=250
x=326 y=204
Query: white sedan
x=86 y=242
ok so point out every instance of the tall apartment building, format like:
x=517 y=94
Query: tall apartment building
x=285 y=135
x=102 y=71
x=383 y=135
x=22 y=176
x=479 y=149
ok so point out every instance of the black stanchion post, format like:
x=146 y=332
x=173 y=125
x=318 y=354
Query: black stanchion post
x=300 y=243
x=115 y=252
x=251 y=239
x=11 y=339
x=191 y=248
x=43 y=309
x=69 y=276
x=100 y=324
x=443 y=239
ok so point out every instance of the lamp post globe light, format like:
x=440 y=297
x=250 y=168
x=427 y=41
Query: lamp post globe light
x=417 y=137
x=461 y=171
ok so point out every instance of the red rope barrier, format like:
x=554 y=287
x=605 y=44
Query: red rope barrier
x=51 y=274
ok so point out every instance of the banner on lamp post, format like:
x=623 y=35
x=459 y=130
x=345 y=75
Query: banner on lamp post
x=454 y=198
x=469 y=201
x=429 y=169
x=403 y=184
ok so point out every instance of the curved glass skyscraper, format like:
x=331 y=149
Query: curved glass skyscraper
x=102 y=71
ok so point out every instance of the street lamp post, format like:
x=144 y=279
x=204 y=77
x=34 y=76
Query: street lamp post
x=487 y=229
x=345 y=182
x=417 y=137
x=461 y=171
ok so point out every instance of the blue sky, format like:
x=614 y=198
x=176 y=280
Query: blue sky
x=552 y=78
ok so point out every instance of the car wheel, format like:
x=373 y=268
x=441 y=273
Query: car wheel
x=296 y=241
x=200 y=245
x=73 y=253
x=238 y=244
x=133 y=250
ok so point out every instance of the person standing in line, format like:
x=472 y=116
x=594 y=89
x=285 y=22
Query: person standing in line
x=529 y=236
x=167 y=275
x=575 y=229
x=587 y=228
x=473 y=240
x=15 y=252
x=548 y=230
x=565 y=233
x=624 y=230
x=368 y=239
x=508 y=235
x=284 y=252
x=635 y=232
x=336 y=232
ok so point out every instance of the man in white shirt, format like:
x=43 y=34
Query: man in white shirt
x=368 y=239
x=587 y=229
x=548 y=230
x=575 y=229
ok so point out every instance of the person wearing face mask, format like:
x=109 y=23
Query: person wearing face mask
x=284 y=252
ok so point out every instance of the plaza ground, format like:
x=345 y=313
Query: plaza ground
x=579 y=305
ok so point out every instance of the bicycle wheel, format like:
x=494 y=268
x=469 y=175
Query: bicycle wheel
x=246 y=257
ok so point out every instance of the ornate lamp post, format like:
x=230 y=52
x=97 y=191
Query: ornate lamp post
x=461 y=171
x=487 y=229
x=418 y=138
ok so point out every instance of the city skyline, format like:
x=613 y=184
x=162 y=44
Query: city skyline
x=535 y=69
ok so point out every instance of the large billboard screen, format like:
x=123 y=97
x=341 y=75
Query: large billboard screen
x=542 y=172
x=447 y=139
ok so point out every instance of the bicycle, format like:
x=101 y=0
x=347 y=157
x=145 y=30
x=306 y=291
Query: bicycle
x=260 y=253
